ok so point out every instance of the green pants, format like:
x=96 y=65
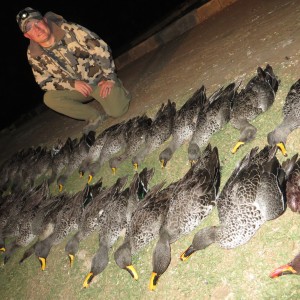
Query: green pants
x=73 y=104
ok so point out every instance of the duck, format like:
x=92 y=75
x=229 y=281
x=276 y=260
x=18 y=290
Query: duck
x=10 y=208
x=291 y=268
x=33 y=168
x=212 y=118
x=193 y=199
x=293 y=201
x=20 y=227
x=38 y=167
x=184 y=124
x=6 y=167
x=90 y=218
x=159 y=131
x=144 y=225
x=10 y=167
x=12 y=175
x=61 y=159
x=291 y=119
x=256 y=98
x=293 y=186
x=135 y=140
x=44 y=222
x=253 y=195
x=67 y=219
x=116 y=141
x=79 y=152
x=115 y=218
x=96 y=148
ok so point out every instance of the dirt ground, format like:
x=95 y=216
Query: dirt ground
x=227 y=47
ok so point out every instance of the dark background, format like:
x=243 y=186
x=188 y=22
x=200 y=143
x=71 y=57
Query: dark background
x=121 y=24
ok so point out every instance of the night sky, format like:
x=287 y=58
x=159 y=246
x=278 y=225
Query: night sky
x=118 y=23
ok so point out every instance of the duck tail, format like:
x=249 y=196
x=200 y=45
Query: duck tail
x=289 y=165
x=271 y=78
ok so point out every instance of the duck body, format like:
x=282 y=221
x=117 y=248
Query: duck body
x=95 y=150
x=116 y=217
x=90 y=220
x=253 y=194
x=192 y=201
x=21 y=227
x=13 y=178
x=43 y=223
x=293 y=187
x=159 y=131
x=136 y=137
x=9 y=213
x=256 y=98
x=115 y=141
x=293 y=202
x=291 y=118
x=184 y=124
x=36 y=168
x=48 y=161
x=61 y=159
x=144 y=226
x=194 y=196
x=79 y=152
x=214 y=116
x=67 y=220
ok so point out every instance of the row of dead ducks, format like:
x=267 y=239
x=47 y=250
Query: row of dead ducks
x=258 y=190
x=196 y=121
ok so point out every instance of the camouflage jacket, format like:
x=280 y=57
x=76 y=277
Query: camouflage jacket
x=78 y=54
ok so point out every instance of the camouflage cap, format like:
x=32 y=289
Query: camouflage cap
x=25 y=15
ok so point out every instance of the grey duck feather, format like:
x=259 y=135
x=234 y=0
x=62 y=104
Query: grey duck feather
x=12 y=177
x=44 y=222
x=48 y=161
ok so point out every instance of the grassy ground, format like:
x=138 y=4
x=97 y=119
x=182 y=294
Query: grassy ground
x=213 y=273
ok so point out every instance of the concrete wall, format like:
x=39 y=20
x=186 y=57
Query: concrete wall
x=170 y=32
